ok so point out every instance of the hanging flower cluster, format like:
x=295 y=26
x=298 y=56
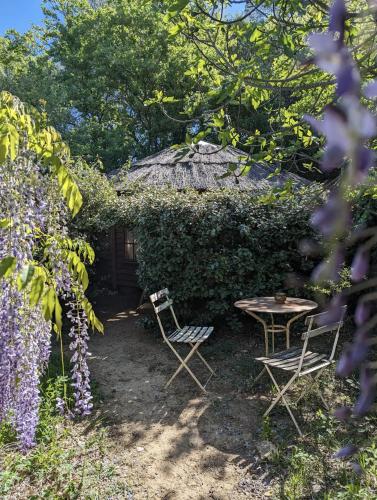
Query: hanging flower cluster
x=347 y=126
x=38 y=264
x=80 y=371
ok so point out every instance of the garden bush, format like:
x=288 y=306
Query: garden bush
x=216 y=247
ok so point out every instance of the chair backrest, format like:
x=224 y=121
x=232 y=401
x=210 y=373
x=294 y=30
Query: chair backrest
x=314 y=330
x=161 y=301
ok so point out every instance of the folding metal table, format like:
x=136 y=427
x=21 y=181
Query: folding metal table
x=268 y=305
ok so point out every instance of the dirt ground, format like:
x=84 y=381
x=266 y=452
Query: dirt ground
x=180 y=443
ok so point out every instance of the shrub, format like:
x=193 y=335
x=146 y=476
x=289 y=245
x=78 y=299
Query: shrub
x=94 y=222
x=100 y=200
x=216 y=247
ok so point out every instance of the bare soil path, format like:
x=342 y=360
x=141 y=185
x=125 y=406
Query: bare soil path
x=180 y=444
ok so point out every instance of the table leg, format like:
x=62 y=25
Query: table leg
x=265 y=328
x=272 y=332
x=295 y=318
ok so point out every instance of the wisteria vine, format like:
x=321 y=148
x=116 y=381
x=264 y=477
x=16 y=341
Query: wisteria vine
x=347 y=126
x=38 y=264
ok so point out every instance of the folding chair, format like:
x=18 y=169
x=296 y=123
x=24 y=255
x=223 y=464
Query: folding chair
x=194 y=336
x=302 y=362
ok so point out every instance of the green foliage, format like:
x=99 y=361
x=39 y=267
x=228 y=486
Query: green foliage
x=308 y=468
x=364 y=201
x=251 y=66
x=92 y=69
x=331 y=288
x=100 y=200
x=216 y=247
x=17 y=123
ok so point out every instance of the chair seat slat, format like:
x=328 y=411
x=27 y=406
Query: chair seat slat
x=195 y=333
x=287 y=363
x=291 y=363
x=325 y=363
x=203 y=334
x=281 y=355
x=177 y=334
x=190 y=333
x=207 y=334
x=313 y=361
x=199 y=334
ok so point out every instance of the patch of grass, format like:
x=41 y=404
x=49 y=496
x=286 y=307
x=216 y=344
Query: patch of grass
x=69 y=461
x=304 y=469
x=307 y=468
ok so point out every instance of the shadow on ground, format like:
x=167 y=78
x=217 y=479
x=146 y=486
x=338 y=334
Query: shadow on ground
x=180 y=443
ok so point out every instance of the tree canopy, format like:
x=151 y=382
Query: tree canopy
x=260 y=73
x=92 y=68
x=123 y=79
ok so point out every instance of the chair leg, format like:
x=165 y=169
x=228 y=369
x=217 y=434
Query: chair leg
x=317 y=390
x=281 y=396
x=184 y=365
x=272 y=333
x=280 y=392
x=204 y=361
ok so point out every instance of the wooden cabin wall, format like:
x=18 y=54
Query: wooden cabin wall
x=101 y=273
x=124 y=272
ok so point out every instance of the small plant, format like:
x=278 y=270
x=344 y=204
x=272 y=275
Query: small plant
x=266 y=428
x=301 y=473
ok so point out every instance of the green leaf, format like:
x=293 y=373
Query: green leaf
x=169 y=99
x=178 y=6
x=9 y=139
x=69 y=189
x=83 y=274
x=25 y=276
x=98 y=325
x=256 y=35
x=5 y=223
x=36 y=290
x=7 y=266
x=201 y=135
x=48 y=303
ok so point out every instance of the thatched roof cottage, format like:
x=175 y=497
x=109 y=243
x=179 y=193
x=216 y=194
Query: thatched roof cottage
x=201 y=167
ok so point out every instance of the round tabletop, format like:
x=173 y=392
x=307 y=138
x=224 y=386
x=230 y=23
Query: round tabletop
x=269 y=305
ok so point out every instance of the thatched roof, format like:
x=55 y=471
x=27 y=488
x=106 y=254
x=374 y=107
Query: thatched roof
x=199 y=167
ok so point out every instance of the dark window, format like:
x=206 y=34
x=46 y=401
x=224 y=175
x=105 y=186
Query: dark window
x=129 y=246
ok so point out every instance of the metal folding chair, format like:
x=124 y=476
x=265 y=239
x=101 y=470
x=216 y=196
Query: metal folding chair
x=194 y=336
x=302 y=362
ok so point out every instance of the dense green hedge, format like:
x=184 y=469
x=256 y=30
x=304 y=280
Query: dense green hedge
x=213 y=248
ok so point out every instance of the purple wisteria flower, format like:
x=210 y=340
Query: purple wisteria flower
x=362 y=312
x=360 y=265
x=33 y=205
x=24 y=333
x=347 y=127
x=347 y=451
x=343 y=413
x=80 y=371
